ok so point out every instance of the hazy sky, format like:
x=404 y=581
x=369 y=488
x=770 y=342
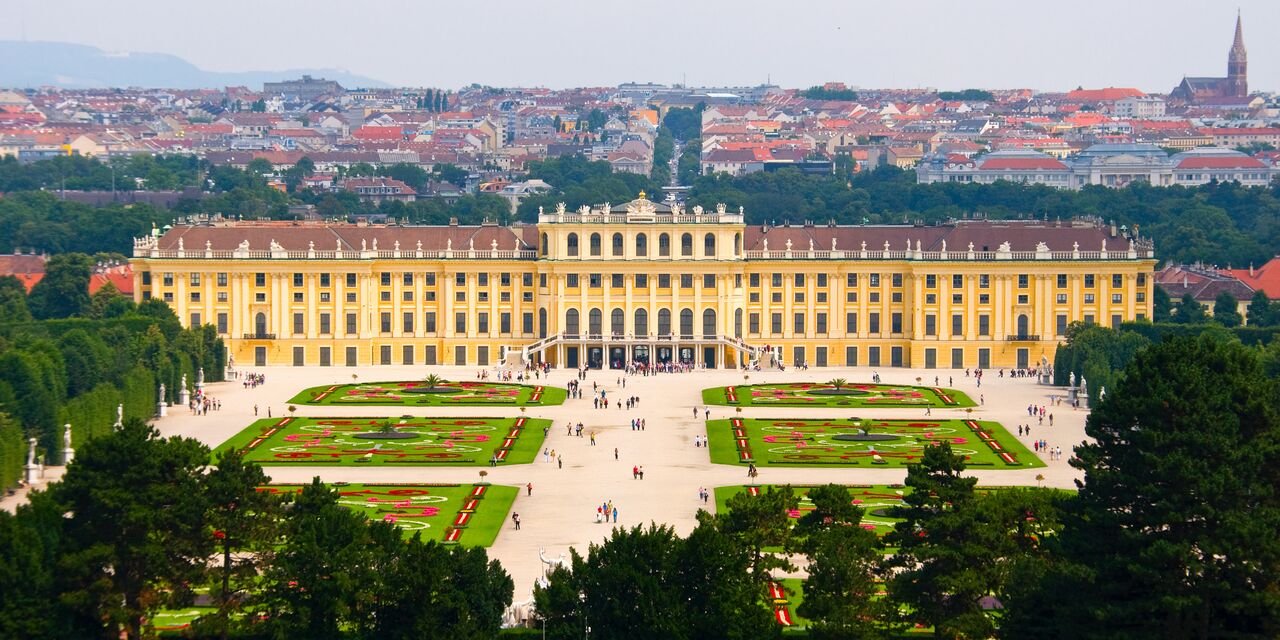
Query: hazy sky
x=1149 y=44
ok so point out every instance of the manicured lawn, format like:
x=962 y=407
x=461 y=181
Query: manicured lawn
x=821 y=394
x=450 y=394
x=361 y=441
x=467 y=514
x=173 y=623
x=875 y=499
x=862 y=442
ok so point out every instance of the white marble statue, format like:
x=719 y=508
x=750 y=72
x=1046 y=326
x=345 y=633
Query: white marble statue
x=31 y=452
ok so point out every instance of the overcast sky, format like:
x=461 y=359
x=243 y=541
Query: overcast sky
x=1149 y=44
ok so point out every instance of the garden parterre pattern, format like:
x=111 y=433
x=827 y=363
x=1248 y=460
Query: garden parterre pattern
x=418 y=441
x=862 y=442
x=821 y=394
x=411 y=393
x=466 y=514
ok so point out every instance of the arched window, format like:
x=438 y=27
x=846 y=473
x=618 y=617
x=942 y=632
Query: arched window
x=686 y=245
x=544 y=244
x=595 y=322
x=709 y=245
x=642 y=323
x=542 y=322
x=737 y=244
x=595 y=244
x=260 y=324
x=573 y=245
x=686 y=323
x=617 y=245
x=642 y=245
x=617 y=322
x=664 y=322
x=737 y=323
x=709 y=323
x=1022 y=325
x=571 y=322
x=664 y=246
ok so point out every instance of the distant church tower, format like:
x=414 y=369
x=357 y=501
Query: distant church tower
x=1238 y=65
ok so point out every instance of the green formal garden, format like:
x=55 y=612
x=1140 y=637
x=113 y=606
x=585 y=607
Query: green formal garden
x=407 y=440
x=874 y=499
x=835 y=393
x=466 y=514
x=434 y=392
x=862 y=442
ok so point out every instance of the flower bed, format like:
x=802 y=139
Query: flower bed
x=465 y=514
x=414 y=393
x=411 y=441
x=861 y=442
x=817 y=394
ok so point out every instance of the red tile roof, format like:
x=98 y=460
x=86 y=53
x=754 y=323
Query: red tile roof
x=1222 y=162
x=1021 y=164
x=1265 y=278
x=1102 y=95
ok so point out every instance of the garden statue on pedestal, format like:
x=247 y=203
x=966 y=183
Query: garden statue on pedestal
x=68 y=454
x=200 y=379
x=32 y=470
x=119 y=416
x=184 y=395
x=162 y=407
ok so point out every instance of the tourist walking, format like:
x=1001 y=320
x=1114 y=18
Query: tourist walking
x=515 y=517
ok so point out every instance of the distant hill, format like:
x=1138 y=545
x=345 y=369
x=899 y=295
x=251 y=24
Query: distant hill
x=77 y=66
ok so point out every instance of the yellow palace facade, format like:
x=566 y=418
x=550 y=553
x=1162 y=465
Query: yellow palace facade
x=644 y=282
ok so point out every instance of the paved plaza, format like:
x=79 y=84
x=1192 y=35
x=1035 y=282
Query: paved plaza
x=561 y=512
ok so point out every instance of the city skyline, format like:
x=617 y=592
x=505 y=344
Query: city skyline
x=994 y=44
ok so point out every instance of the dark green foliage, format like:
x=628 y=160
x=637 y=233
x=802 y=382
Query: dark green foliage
x=843 y=567
x=823 y=93
x=650 y=583
x=63 y=292
x=931 y=581
x=688 y=168
x=1226 y=310
x=685 y=123
x=577 y=181
x=13 y=452
x=135 y=526
x=1096 y=353
x=244 y=525
x=340 y=576
x=757 y=522
x=967 y=95
x=77 y=370
x=13 y=300
x=1222 y=223
x=1173 y=532
x=30 y=541
x=1161 y=305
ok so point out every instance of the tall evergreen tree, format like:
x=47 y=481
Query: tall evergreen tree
x=1173 y=532
x=244 y=523
x=933 y=580
x=136 y=526
x=840 y=592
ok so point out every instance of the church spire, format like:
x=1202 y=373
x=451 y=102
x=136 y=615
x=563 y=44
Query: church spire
x=1238 y=63
x=1238 y=44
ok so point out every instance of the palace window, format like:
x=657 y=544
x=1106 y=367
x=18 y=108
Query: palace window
x=617 y=245
x=595 y=244
x=686 y=245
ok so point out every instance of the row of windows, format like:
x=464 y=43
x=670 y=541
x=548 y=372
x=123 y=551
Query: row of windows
x=504 y=280
x=931 y=280
x=642 y=245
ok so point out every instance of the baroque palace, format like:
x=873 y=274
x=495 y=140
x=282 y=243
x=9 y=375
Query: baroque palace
x=648 y=283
